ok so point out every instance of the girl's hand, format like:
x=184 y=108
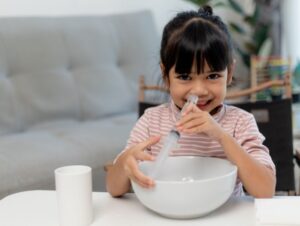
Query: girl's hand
x=129 y=161
x=196 y=121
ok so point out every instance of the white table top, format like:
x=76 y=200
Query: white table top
x=39 y=208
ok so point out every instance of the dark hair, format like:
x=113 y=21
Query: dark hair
x=195 y=35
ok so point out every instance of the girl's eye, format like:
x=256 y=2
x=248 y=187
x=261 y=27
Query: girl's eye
x=213 y=76
x=184 y=77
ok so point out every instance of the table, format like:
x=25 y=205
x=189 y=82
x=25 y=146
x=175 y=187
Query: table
x=36 y=208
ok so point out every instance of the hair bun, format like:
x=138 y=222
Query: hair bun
x=206 y=9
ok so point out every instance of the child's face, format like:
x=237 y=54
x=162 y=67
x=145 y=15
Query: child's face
x=210 y=87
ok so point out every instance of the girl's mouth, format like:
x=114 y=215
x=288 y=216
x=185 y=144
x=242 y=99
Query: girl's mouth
x=203 y=104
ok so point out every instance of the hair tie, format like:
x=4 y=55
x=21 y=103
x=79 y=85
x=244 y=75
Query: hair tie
x=206 y=9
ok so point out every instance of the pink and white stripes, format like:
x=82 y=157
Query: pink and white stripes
x=158 y=121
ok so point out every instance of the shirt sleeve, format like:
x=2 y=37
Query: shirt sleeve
x=249 y=137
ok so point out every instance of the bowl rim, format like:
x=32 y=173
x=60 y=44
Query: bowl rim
x=234 y=171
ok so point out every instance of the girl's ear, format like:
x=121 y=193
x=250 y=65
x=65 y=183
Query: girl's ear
x=164 y=75
x=231 y=69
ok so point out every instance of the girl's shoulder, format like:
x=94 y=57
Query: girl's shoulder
x=157 y=114
x=236 y=112
x=240 y=119
x=159 y=109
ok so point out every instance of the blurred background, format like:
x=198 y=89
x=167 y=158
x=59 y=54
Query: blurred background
x=278 y=18
x=258 y=27
x=265 y=27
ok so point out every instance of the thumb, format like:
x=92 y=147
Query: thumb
x=147 y=143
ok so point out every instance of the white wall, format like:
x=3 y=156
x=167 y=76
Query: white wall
x=163 y=9
x=291 y=31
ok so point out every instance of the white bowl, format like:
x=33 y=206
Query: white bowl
x=188 y=187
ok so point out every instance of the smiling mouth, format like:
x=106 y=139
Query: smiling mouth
x=202 y=104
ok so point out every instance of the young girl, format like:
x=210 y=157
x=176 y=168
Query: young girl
x=196 y=58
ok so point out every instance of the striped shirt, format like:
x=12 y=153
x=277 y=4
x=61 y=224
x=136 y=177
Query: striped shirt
x=159 y=120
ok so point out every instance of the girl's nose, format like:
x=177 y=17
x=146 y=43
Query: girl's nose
x=199 y=88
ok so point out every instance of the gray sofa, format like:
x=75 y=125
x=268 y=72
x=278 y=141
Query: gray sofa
x=68 y=93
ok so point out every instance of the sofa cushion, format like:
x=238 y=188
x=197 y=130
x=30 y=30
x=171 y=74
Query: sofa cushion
x=80 y=68
x=28 y=160
x=49 y=95
x=109 y=95
x=8 y=119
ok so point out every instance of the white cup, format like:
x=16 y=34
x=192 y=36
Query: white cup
x=74 y=195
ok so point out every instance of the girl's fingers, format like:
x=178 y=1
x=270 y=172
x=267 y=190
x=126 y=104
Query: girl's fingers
x=191 y=108
x=141 y=184
x=187 y=110
x=194 y=122
x=138 y=177
x=192 y=130
x=187 y=118
x=144 y=180
x=131 y=163
x=148 y=143
x=144 y=156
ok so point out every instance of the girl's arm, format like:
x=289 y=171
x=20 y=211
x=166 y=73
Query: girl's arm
x=117 y=182
x=258 y=179
x=125 y=168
